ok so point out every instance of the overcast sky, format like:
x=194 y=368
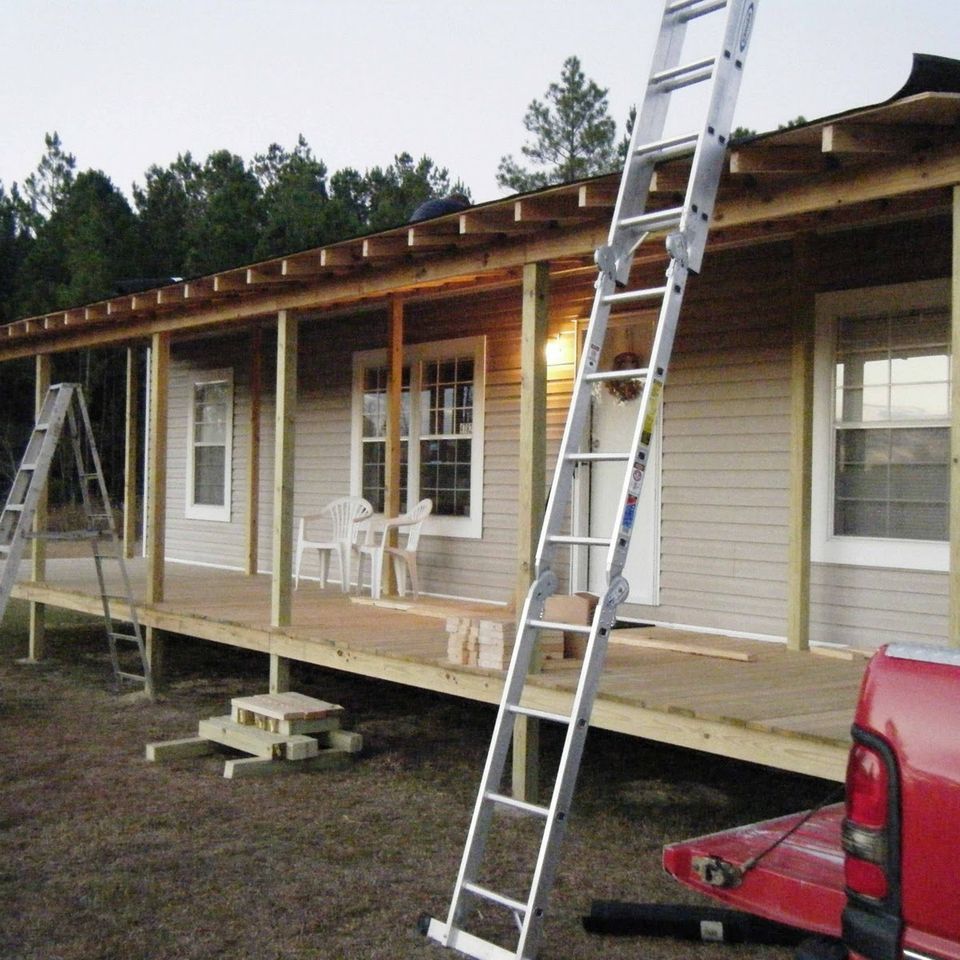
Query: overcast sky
x=128 y=83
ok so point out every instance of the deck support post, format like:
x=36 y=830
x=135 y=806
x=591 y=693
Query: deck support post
x=281 y=597
x=38 y=562
x=801 y=444
x=391 y=506
x=954 y=589
x=131 y=428
x=253 y=460
x=156 y=505
x=532 y=491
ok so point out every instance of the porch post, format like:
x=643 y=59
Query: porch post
x=283 y=460
x=156 y=505
x=391 y=506
x=801 y=445
x=532 y=490
x=38 y=563
x=131 y=429
x=954 y=627
x=253 y=463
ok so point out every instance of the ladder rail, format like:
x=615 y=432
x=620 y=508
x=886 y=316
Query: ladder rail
x=687 y=228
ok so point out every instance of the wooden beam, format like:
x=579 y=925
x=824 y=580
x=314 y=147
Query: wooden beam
x=391 y=507
x=263 y=276
x=801 y=445
x=304 y=266
x=871 y=139
x=954 y=638
x=539 y=209
x=531 y=469
x=283 y=467
x=597 y=195
x=37 y=642
x=776 y=161
x=842 y=188
x=156 y=503
x=253 y=458
x=385 y=248
x=230 y=282
x=131 y=431
x=341 y=256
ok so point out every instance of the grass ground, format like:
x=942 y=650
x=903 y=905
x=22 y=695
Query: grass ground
x=106 y=857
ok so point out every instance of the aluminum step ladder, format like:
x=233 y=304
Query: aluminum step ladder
x=686 y=228
x=64 y=409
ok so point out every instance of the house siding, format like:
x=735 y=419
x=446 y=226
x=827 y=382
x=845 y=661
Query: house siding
x=726 y=444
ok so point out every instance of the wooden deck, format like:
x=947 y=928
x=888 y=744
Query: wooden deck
x=783 y=709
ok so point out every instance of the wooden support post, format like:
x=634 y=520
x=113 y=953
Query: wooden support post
x=38 y=563
x=281 y=598
x=253 y=460
x=801 y=445
x=391 y=506
x=130 y=472
x=954 y=627
x=532 y=491
x=156 y=505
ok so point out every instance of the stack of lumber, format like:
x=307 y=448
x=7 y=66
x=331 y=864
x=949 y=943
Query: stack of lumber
x=478 y=642
x=274 y=728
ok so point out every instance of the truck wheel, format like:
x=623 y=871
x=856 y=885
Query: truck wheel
x=821 y=948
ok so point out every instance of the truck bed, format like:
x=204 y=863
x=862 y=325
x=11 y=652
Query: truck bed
x=800 y=882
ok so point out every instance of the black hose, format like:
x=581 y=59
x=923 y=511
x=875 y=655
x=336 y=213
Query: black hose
x=682 y=922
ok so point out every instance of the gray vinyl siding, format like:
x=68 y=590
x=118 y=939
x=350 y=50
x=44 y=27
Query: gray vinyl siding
x=726 y=445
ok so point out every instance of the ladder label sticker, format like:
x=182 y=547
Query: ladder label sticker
x=630 y=512
x=653 y=404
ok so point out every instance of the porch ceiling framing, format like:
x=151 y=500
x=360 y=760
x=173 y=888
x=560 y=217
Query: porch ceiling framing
x=775 y=185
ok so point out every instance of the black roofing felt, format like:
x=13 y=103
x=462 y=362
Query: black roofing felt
x=930 y=74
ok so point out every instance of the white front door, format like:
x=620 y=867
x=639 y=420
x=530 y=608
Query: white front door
x=613 y=425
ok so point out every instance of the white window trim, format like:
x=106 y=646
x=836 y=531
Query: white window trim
x=205 y=511
x=825 y=547
x=471 y=527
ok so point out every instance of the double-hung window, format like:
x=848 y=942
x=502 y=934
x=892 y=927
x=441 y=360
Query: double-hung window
x=209 y=447
x=882 y=427
x=441 y=432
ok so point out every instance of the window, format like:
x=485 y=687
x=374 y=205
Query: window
x=882 y=427
x=209 y=447
x=441 y=448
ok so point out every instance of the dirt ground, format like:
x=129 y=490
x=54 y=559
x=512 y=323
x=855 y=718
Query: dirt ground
x=104 y=856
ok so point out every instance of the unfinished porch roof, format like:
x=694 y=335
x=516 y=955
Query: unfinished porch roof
x=875 y=163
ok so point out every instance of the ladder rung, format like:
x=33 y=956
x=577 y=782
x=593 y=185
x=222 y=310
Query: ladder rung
x=535 y=714
x=28 y=466
x=506 y=801
x=657 y=220
x=123 y=675
x=635 y=374
x=70 y=535
x=691 y=9
x=14 y=507
x=649 y=293
x=581 y=541
x=566 y=627
x=125 y=636
x=666 y=149
x=684 y=76
x=598 y=457
x=495 y=897
x=42 y=426
x=4 y=550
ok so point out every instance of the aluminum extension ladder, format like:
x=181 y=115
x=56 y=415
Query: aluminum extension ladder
x=64 y=406
x=686 y=227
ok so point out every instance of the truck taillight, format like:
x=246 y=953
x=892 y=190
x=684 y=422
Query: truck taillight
x=865 y=829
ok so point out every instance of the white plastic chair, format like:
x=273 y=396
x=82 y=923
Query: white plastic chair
x=404 y=557
x=345 y=514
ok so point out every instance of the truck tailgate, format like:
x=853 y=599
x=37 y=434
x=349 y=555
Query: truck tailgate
x=800 y=882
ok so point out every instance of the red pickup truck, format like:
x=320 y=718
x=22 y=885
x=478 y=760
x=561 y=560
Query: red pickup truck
x=880 y=873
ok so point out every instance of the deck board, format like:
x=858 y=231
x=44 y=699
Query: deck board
x=782 y=708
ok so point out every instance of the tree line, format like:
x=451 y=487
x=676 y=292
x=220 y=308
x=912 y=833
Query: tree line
x=70 y=237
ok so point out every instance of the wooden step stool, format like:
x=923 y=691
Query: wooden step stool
x=273 y=727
